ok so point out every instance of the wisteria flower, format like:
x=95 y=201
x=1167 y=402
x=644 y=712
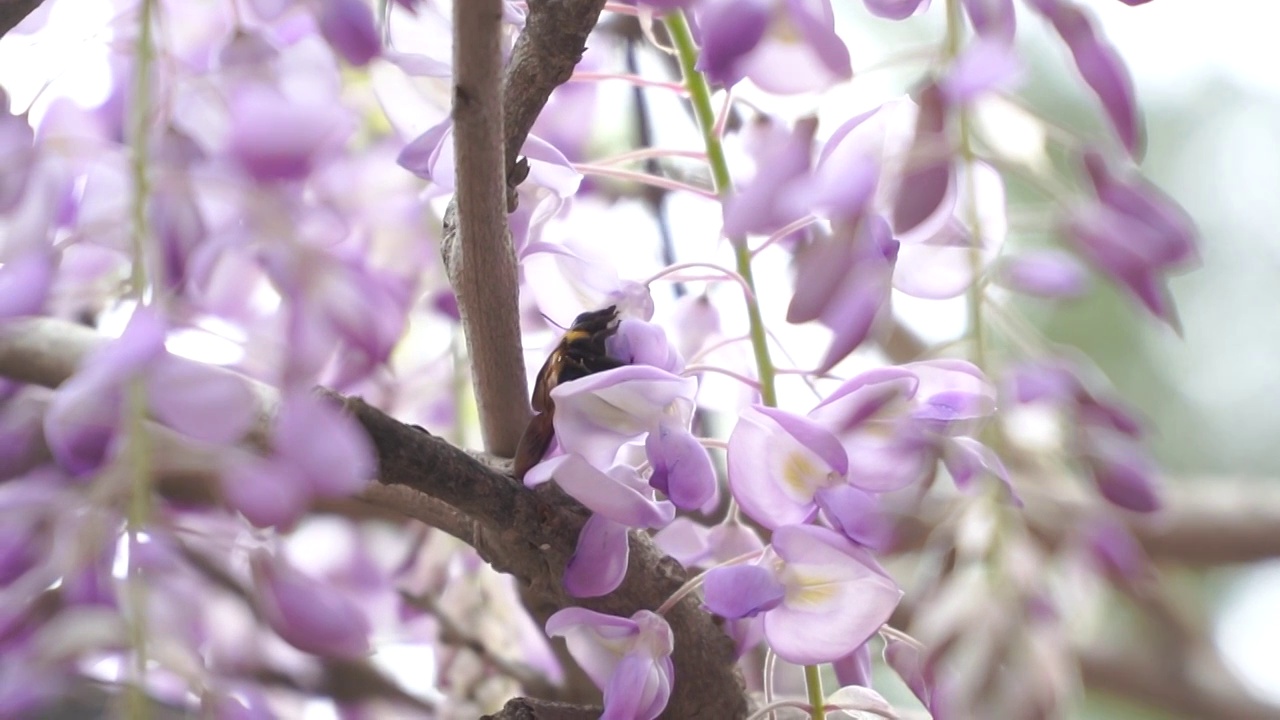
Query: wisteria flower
x=628 y=659
x=85 y=415
x=595 y=415
x=306 y=613
x=783 y=46
x=821 y=596
x=1100 y=66
x=1133 y=233
x=779 y=463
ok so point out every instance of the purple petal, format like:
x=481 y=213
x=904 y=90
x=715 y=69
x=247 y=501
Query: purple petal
x=800 y=51
x=1125 y=475
x=730 y=30
x=1100 y=66
x=25 y=282
x=421 y=154
x=908 y=662
x=681 y=467
x=762 y=205
x=597 y=641
x=859 y=700
x=18 y=149
x=609 y=496
x=348 y=27
x=82 y=422
x=326 y=446
x=854 y=668
x=772 y=474
x=856 y=513
x=596 y=414
x=273 y=138
x=992 y=19
x=1044 y=273
x=204 y=402
x=267 y=492
x=927 y=187
x=309 y=615
x=684 y=540
x=837 y=596
x=966 y=458
x=739 y=591
x=984 y=66
x=896 y=9
x=638 y=689
x=643 y=343
x=1116 y=553
x=599 y=561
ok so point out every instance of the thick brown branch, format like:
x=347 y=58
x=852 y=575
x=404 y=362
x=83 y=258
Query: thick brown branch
x=13 y=12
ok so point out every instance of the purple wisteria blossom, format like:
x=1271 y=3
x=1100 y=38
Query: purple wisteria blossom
x=1133 y=233
x=783 y=46
x=628 y=659
x=821 y=596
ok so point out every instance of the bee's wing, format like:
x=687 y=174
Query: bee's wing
x=546 y=380
x=533 y=444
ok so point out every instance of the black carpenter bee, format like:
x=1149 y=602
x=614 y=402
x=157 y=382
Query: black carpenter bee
x=580 y=353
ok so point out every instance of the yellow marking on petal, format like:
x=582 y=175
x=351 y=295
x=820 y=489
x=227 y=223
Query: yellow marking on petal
x=798 y=472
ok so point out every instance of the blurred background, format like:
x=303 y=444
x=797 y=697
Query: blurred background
x=1208 y=79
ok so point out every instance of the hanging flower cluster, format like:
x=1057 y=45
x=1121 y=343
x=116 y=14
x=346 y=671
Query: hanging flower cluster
x=257 y=204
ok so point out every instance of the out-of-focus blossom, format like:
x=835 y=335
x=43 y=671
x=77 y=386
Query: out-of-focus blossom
x=1101 y=67
x=772 y=198
x=84 y=417
x=993 y=20
x=844 y=282
x=910 y=663
x=857 y=700
x=628 y=659
x=430 y=157
x=821 y=596
x=783 y=46
x=1134 y=234
x=317 y=451
x=25 y=282
x=17 y=148
x=275 y=138
x=1043 y=273
x=307 y=614
x=896 y=422
x=896 y=9
x=983 y=66
x=1105 y=436
x=349 y=28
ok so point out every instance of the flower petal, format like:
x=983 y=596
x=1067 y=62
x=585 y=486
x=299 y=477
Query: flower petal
x=599 y=561
x=739 y=591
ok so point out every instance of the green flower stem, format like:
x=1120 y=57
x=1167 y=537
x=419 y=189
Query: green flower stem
x=138 y=454
x=141 y=116
x=700 y=95
x=955 y=32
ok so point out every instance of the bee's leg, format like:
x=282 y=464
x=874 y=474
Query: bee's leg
x=533 y=444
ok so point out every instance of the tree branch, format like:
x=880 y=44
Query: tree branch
x=13 y=12
x=478 y=256
x=528 y=534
